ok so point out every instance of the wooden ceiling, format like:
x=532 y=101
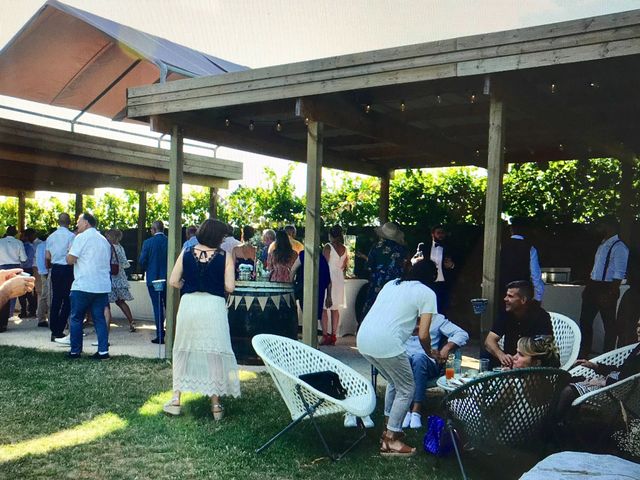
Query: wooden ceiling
x=569 y=89
x=41 y=158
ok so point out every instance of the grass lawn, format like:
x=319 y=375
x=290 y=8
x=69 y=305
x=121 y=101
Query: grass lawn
x=85 y=419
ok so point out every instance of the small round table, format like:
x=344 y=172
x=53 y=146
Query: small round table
x=444 y=384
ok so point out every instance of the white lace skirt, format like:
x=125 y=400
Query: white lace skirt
x=203 y=361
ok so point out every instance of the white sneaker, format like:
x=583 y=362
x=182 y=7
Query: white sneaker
x=64 y=340
x=407 y=420
x=350 y=421
x=95 y=343
x=368 y=423
x=416 y=420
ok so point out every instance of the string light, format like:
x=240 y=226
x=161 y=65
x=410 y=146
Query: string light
x=553 y=88
x=473 y=98
x=594 y=84
x=306 y=121
x=403 y=106
x=367 y=108
x=439 y=98
x=227 y=122
x=477 y=153
x=252 y=126
x=278 y=126
x=561 y=147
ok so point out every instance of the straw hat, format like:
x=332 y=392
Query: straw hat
x=391 y=231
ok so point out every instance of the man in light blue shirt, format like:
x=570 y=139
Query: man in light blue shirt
x=602 y=290
x=428 y=367
x=42 y=285
x=191 y=240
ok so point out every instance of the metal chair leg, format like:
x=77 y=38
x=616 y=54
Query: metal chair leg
x=455 y=447
x=287 y=428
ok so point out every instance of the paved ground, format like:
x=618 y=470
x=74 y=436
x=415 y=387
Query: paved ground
x=26 y=333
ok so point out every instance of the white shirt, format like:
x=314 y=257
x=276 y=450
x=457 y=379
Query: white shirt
x=436 y=257
x=392 y=318
x=617 y=266
x=229 y=243
x=58 y=245
x=11 y=251
x=91 y=272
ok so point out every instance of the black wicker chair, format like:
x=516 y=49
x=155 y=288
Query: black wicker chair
x=500 y=413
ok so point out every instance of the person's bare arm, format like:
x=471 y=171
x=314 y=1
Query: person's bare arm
x=423 y=331
x=294 y=269
x=175 y=280
x=229 y=275
x=71 y=259
x=47 y=258
x=491 y=344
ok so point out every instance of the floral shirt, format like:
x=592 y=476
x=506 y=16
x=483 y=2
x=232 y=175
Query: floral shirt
x=386 y=262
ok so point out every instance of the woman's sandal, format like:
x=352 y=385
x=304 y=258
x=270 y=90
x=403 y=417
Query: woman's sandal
x=218 y=411
x=403 y=451
x=172 y=407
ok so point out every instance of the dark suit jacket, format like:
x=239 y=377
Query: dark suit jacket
x=449 y=274
x=153 y=258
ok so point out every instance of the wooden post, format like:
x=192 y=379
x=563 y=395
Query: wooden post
x=79 y=205
x=213 y=202
x=312 y=234
x=22 y=211
x=626 y=197
x=176 y=164
x=384 y=198
x=493 y=209
x=142 y=224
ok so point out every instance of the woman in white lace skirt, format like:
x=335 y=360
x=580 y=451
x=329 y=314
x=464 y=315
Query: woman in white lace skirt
x=203 y=361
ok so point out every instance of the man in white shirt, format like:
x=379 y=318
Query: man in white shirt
x=90 y=255
x=229 y=242
x=60 y=275
x=602 y=290
x=12 y=254
x=440 y=254
x=425 y=367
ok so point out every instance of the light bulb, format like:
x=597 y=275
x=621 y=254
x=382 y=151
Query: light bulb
x=403 y=106
x=227 y=122
x=367 y=108
x=252 y=126
x=278 y=126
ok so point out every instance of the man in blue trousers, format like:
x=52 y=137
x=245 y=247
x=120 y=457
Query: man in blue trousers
x=153 y=260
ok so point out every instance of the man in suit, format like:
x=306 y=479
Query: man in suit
x=153 y=260
x=440 y=254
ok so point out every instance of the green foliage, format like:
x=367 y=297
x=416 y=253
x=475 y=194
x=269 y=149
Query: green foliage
x=352 y=201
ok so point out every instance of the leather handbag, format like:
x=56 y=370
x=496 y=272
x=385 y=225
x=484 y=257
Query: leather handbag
x=115 y=267
x=326 y=382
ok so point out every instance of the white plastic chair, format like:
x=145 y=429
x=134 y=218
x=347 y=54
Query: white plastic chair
x=287 y=359
x=567 y=335
x=608 y=398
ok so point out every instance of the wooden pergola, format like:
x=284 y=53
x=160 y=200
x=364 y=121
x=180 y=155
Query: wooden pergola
x=553 y=92
x=36 y=158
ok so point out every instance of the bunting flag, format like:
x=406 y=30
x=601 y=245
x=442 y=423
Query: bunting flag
x=287 y=299
x=276 y=301
x=262 y=301
x=235 y=300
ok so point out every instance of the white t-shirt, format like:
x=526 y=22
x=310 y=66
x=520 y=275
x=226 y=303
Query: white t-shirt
x=58 y=244
x=392 y=318
x=91 y=272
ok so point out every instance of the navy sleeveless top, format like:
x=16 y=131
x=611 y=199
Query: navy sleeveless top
x=206 y=276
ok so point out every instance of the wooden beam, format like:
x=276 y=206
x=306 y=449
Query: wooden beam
x=142 y=225
x=12 y=191
x=22 y=207
x=493 y=210
x=626 y=212
x=385 y=181
x=79 y=206
x=312 y=235
x=213 y=202
x=343 y=114
x=175 y=231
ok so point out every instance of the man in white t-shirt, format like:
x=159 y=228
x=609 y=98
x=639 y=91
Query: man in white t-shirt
x=90 y=255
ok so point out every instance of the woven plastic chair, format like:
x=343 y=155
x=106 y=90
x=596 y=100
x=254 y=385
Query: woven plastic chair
x=505 y=411
x=287 y=359
x=567 y=336
x=607 y=400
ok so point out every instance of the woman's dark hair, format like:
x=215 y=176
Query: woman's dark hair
x=282 y=253
x=336 y=232
x=248 y=232
x=423 y=271
x=211 y=233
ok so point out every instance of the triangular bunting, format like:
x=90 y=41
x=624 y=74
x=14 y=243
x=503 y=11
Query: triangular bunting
x=262 y=301
x=236 y=300
x=248 y=301
x=287 y=299
x=276 y=301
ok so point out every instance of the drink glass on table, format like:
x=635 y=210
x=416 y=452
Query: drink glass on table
x=484 y=366
x=449 y=368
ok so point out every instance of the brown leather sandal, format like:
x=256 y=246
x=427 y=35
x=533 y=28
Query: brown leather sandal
x=403 y=450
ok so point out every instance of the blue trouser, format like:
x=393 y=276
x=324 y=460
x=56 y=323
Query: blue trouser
x=159 y=302
x=96 y=303
x=424 y=370
x=61 y=279
x=12 y=302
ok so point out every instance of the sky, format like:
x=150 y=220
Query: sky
x=259 y=33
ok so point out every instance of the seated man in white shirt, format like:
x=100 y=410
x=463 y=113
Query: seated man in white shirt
x=428 y=367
